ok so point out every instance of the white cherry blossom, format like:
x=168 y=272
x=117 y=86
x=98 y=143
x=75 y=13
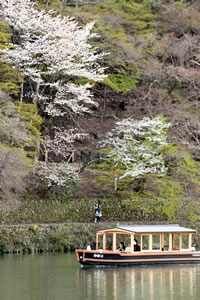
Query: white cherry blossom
x=52 y=52
x=62 y=142
x=137 y=145
x=61 y=174
x=48 y=47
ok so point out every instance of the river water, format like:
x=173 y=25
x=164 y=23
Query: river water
x=60 y=277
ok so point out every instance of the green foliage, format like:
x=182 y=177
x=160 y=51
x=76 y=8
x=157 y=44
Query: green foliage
x=47 y=238
x=9 y=87
x=52 y=4
x=61 y=193
x=5 y=34
x=29 y=114
x=123 y=79
x=52 y=211
x=172 y=198
x=177 y=192
x=10 y=77
x=137 y=16
x=120 y=25
x=20 y=124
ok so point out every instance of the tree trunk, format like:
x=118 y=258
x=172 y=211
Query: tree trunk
x=36 y=92
x=46 y=5
x=62 y=4
x=22 y=91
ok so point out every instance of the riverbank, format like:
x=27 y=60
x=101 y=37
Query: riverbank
x=59 y=226
x=39 y=238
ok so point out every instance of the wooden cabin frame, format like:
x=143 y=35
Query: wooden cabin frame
x=177 y=238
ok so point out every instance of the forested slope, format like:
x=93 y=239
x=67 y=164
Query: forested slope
x=112 y=116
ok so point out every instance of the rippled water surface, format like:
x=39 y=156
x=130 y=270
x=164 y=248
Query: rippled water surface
x=60 y=277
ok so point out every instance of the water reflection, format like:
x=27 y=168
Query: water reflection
x=142 y=282
x=60 y=277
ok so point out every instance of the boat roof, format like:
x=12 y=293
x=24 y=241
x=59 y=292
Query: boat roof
x=176 y=228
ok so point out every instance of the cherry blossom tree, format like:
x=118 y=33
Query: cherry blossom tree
x=62 y=143
x=136 y=146
x=54 y=174
x=51 y=52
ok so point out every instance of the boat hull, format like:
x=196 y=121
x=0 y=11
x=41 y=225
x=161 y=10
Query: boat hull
x=111 y=258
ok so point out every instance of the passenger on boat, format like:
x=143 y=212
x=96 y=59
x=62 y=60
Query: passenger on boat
x=121 y=247
x=136 y=246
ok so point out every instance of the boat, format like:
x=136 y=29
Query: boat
x=156 y=244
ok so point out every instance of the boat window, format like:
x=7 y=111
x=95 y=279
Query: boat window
x=119 y=238
x=138 y=238
x=127 y=240
x=175 y=241
x=109 y=241
x=145 y=242
x=166 y=241
x=185 y=240
x=100 y=241
x=156 y=242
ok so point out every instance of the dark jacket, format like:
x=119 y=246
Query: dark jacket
x=136 y=247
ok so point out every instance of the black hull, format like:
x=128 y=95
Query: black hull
x=97 y=258
x=123 y=264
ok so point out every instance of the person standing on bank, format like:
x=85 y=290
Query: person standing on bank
x=97 y=212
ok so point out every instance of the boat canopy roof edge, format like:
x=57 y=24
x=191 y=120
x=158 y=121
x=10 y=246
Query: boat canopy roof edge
x=115 y=230
x=139 y=229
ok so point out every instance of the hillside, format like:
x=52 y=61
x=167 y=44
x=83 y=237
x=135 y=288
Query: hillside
x=152 y=65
